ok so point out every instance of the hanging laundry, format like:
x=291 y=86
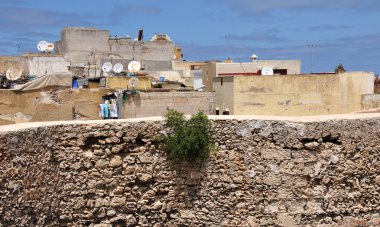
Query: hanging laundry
x=104 y=110
x=113 y=108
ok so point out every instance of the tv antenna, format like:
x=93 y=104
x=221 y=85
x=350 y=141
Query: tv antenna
x=312 y=48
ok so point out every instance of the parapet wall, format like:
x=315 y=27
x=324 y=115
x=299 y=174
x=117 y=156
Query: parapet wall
x=263 y=172
x=83 y=104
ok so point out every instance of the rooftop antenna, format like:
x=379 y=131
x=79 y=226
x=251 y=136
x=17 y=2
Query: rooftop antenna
x=312 y=48
x=229 y=43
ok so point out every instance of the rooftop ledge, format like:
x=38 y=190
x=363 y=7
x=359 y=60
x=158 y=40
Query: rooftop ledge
x=317 y=118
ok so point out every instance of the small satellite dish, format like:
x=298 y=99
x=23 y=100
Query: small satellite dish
x=13 y=73
x=133 y=82
x=42 y=46
x=50 y=47
x=118 y=68
x=267 y=71
x=107 y=67
x=134 y=66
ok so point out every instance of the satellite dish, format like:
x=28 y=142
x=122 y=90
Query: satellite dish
x=42 y=46
x=50 y=47
x=134 y=66
x=118 y=68
x=133 y=82
x=267 y=71
x=107 y=67
x=13 y=73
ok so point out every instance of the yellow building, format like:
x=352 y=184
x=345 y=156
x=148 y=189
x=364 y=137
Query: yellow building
x=122 y=82
x=311 y=94
x=211 y=70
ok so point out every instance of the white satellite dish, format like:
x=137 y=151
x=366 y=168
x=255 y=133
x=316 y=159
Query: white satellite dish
x=133 y=82
x=13 y=73
x=50 y=47
x=134 y=66
x=107 y=67
x=267 y=71
x=118 y=68
x=42 y=46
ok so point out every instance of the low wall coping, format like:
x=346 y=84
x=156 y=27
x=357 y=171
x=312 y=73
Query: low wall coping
x=317 y=118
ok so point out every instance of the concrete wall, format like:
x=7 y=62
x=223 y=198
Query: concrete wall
x=224 y=96
x=293 y=66
x=296 y=94
x=149 y=51
x=36 y=64
x=67 y=104
x=83 y=45
x=370 y=101
x=156 y=104
x=77 y=44
x=212 y=69
x=52 y=65
x=208 y=74
x=261 y=173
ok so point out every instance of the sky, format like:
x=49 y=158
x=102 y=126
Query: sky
x=320 y=33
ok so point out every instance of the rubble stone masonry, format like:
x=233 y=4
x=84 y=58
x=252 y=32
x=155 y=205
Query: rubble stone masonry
x=260 y=173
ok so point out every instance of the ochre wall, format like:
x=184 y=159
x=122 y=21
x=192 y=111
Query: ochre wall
x=121 y=82
x=67 y=104
x=212 y=69
x=298 y=94
x=7 y=62
x=208 y=74
x=260 y=173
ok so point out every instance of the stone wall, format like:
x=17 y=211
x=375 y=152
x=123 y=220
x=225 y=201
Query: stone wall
x=262 y=172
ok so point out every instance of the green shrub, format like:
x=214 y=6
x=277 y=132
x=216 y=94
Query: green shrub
x=188 y=140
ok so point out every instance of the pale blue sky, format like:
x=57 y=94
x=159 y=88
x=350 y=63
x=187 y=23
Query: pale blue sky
x=342 y=31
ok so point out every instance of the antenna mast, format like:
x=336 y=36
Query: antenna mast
x=229 y=43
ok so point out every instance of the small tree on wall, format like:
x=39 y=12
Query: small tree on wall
x=340 y=69
x=188 y=140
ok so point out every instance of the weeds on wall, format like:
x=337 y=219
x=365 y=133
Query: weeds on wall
x=188 y=139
